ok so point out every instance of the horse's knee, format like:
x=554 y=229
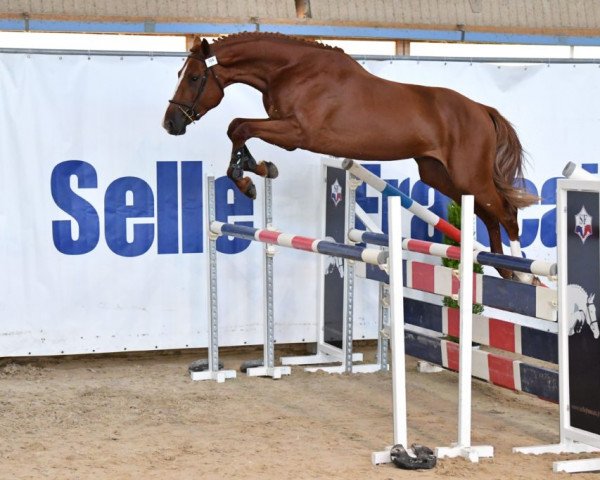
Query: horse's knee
x=233 y=126
x=241 y=132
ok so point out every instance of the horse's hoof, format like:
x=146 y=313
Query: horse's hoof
x=250 y=192
x=250 y=364
x=201 y=366
x=235 y=172
x=272 y=171
x=424 y=457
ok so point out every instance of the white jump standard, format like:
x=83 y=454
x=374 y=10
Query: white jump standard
x=578 y=210
x=463 y=446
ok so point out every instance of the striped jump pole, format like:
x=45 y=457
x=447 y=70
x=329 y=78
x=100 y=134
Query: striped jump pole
x=408 y=203
x=517 y=264
x=324 y=247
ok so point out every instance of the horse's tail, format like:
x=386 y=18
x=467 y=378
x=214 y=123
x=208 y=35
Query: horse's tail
x=508 y=165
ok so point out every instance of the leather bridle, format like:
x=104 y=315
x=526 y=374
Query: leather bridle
x=190 y=110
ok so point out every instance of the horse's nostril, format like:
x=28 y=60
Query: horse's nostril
x=168 y=125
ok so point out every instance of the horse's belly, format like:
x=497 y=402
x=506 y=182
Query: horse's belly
x=370 y=145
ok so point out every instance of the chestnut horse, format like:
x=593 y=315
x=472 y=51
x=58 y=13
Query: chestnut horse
x=318 y=98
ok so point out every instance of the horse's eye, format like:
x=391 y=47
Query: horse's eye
x=195 y=78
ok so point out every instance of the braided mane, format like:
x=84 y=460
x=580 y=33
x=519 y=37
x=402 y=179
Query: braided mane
x=278 y=37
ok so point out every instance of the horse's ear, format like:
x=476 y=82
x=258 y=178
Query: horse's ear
x=205 y=48
x=591 y=299
x=195 y=45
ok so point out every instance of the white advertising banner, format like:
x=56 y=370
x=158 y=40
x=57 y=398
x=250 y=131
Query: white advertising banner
x=102 y=213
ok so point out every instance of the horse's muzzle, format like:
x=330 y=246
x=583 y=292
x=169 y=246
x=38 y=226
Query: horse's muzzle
x=173 y=128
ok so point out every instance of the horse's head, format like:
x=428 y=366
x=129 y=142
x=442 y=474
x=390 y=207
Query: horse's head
x=198 y=90
x=592 y=319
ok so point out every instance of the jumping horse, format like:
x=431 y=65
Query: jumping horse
x=319 y=99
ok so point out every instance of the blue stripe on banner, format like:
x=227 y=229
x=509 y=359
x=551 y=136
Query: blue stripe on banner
x=423 y=347
x=540 y=345
x=204 y=28
x=505 y=261
x=12 y=24
x=423 y=314
x=240 y=231
x=76 y=26
x=509 y=296
x=540 y=382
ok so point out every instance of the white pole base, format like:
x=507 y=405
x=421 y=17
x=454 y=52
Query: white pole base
x=426 y=367
x=318 y=358
x=570 y=466
x=576 y=466
x=377 y=458
x=557 y=448
x=473 y=454
x=219 y=376
x=275 y=372
x=366 y=368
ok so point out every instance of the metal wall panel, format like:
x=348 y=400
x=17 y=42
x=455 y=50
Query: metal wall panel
x=183 y=10
x=568 y=22
x=506 y=14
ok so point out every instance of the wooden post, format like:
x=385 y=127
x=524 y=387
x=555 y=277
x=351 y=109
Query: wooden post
x=189 y=42
x=403 y=47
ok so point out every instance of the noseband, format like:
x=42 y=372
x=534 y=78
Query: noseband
x=190 y=110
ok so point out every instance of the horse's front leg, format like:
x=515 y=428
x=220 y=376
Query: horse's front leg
x=276 y=132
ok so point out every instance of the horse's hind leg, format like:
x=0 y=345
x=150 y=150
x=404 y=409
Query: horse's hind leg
x=434 y=173
x=495 y=211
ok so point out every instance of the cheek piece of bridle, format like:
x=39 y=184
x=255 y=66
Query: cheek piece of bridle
x=190 y=110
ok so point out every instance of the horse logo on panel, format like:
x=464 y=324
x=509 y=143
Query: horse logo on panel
x=336 y=192
x=581 y=310
x=583 y=224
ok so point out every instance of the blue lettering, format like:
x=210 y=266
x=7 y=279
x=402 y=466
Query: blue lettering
x=126 y=199
x=404 y=187
x=420 y=229
x=241 y=205
x=192 y=215
x=529 y=226
x=167 y=208
x=81 y=210
x=118 y=208
x=548 y=221
x=368 y=204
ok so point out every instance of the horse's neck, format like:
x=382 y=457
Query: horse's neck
x=252 y=63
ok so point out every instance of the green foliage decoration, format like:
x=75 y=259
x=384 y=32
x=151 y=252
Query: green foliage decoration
x=454 y=219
